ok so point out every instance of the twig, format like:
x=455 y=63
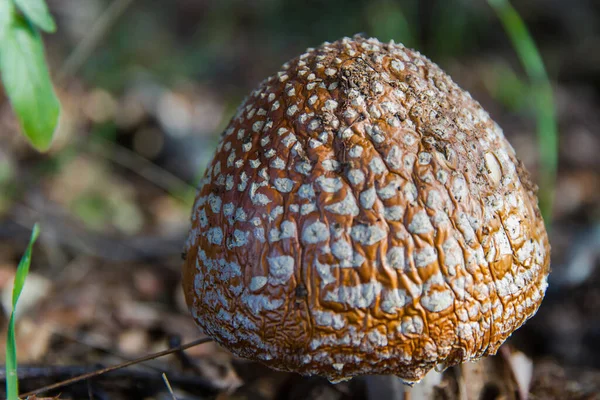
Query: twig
x=88 y=44
x=120 y=248
x=163 y=179
x=68 y=336
x=116 y=367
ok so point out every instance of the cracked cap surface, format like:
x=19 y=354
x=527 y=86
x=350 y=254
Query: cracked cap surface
x=364 y=215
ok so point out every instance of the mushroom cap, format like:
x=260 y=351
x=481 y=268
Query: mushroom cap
x=364 y=215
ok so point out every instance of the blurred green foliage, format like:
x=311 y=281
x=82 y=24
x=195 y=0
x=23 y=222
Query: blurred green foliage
x=24 y=71
x=543 y=99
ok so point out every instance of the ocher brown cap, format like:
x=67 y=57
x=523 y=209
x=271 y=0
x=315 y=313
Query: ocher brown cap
x=364 y=215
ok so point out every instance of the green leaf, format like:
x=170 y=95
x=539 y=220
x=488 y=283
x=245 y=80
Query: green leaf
x=27 y=82
x=7 y=13
x=12 y=383
x=38 y=14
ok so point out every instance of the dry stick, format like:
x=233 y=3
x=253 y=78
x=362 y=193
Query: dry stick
x=116 y=367
x=88 y=44
x=175 y=186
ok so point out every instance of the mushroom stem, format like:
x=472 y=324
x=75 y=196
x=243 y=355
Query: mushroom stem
x=394 y=388
x=385 y=387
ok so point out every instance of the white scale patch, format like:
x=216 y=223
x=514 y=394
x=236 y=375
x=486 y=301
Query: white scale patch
x=410 y=192
x=389 y=191
x=243 y=182
x=307 y=208
x=292 y=109
x=425 y=256
x=466 y=228
x=359 y=296
x=330 y=105
x=356 y=151
x=324 y=271
x=394 y=213
x=281 y=269
x=203 y=218
x=284 y=185
x=377 y=166
x=377 y=338
x=228 y=209
x=394 y=299
x=257 y=283
x=345 y=207
x=356 y=176
x=303 y=168
x=395 y=258
x=257 y=303
x=368 y=234
x=453 y=256
x=231 y=159
x=270 y=153
x=328 y=318
x=215 y=203
x=525 y=252
x=459 y=188
x=330 y=165
x=329 y=185
x=338 y=366
x=214 y=235
x=289 y=140
x=257 y=126
x=259 y=234
x=229 y=182
x=315 y=233
x=228 y=270
x=275 y=212
x=513 y=226
x=314 y=143
x=239 y=239
x=434 y=200
x=397 y=65
x=394 y=158
x=367 y=198
x=286 y=230
x=420 y=223
x=306 y=191
x=260 y=199
x=424 y=158
x=436 y=300
x=342 y=250
x=412 y=325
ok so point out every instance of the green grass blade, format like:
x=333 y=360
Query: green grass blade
x=547 y=130
x=12 y=383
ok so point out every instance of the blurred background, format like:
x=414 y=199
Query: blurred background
x=146 y=89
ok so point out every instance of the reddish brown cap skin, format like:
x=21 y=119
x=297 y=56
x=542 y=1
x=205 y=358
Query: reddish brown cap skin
x=364 y=215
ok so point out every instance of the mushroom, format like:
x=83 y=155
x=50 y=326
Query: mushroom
x=364 y=215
